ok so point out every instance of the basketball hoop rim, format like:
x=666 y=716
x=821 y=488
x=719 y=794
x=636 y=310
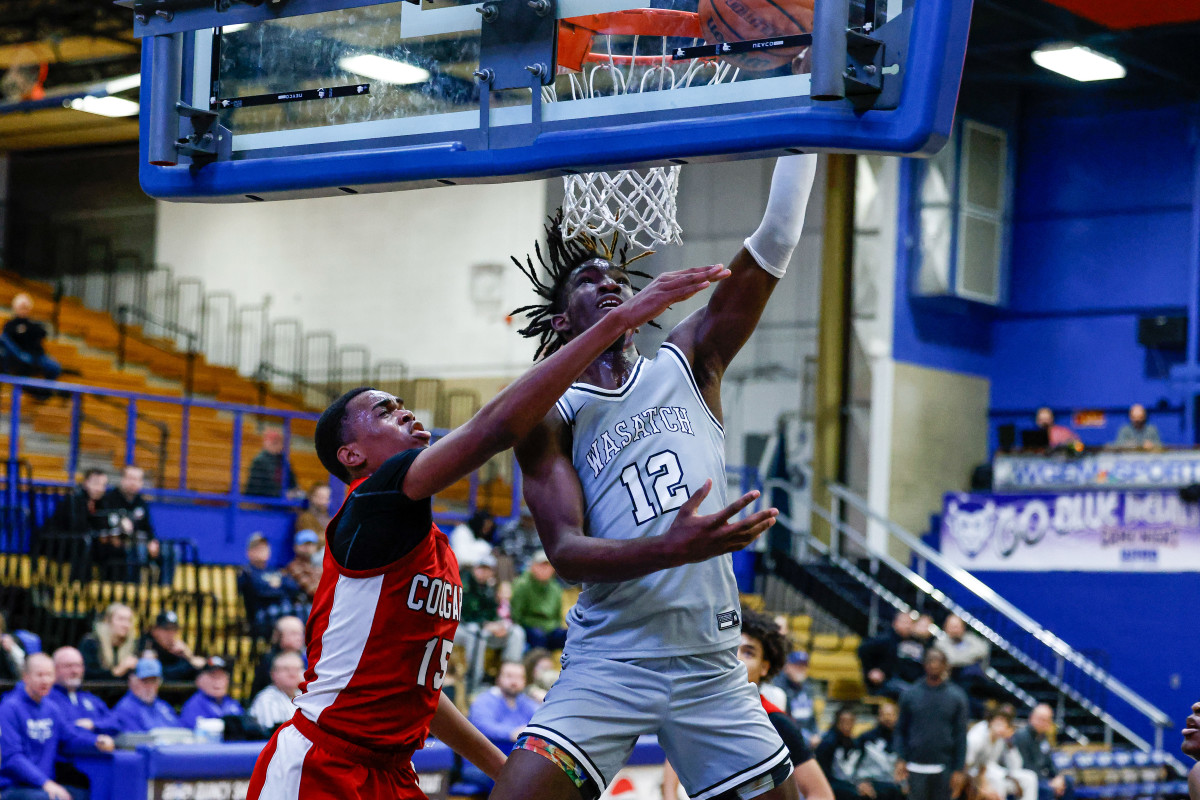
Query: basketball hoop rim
x=648 y=22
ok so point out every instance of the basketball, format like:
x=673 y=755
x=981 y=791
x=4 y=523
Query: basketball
x=742 y=20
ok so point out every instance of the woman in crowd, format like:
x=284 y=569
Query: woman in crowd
x=110 y=651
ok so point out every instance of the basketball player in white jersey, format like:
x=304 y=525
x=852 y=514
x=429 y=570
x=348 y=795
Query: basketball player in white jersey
x=626 y=483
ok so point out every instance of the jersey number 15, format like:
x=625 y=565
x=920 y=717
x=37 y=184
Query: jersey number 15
x=666 y=477
x=439 y=674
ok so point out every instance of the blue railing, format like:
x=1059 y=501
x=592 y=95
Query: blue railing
x=235 y=501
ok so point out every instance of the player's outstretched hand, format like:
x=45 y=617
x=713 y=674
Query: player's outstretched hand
x=700 y=537
x=668 y=289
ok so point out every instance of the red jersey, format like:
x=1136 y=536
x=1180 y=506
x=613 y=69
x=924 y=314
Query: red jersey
x=379 y=639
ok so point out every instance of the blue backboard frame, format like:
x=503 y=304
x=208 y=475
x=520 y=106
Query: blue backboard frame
x=919 y=125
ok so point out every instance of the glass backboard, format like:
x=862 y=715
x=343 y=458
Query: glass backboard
x=320 y=97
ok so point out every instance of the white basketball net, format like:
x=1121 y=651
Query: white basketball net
x=641 y=204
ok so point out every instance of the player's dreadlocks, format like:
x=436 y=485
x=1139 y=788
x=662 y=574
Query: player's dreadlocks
x=562 y=257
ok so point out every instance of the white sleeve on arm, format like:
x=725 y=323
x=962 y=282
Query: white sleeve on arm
x=779 y=232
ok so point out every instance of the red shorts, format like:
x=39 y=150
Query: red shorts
x=303 y=762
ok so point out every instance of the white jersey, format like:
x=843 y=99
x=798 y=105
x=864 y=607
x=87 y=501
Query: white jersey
x=640 y=451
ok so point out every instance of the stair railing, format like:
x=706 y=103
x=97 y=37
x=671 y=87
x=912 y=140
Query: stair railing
x=1062 y=655
x=191 y=339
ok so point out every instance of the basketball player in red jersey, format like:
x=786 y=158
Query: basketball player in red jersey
x=384 y=615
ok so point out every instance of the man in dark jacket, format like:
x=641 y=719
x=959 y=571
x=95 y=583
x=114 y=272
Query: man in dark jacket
x=838 y=755
x=875 y=776
x=178 y=661
x=78 y=531
x=891 y=662
x=270 y=472
x=1034 y=747
x=931 y=734
x=129 y=514
x=267 y=593
x=21 y=348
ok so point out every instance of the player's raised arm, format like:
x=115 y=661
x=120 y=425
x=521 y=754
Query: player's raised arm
x=555 y=498
x=518 y=408
x=712 y=336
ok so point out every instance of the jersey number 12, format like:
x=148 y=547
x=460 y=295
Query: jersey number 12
x=666 y=477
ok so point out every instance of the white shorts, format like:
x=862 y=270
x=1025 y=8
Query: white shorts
x=708 y=718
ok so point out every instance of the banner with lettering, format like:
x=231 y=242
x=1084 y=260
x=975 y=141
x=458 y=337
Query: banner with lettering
x=1099 y=470
x=1090 y=531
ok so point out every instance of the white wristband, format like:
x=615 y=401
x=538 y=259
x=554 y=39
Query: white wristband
x=779 y=232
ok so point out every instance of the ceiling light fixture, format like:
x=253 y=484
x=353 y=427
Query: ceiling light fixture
x=117 y=85
x=382 y=69
x=104 y=106
x=1078 y=62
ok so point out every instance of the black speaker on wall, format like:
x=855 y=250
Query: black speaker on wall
x=1163 y=333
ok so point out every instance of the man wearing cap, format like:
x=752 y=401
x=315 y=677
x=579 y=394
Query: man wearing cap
x=537 y=604
x=268 y=594
x=212 y=694
x=793 y=680
x=31 y=734
x=482 y=627
x=178 y=661
x=302 y=568
x=74 y=705
x=141 y=709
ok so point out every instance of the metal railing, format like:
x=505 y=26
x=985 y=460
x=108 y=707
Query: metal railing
x=143 y=317
x=1069 y=671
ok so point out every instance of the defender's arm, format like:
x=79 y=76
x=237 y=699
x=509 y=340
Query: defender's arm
x=516 y=410
x=712 y=336
x=451 y=727
x=555 y=498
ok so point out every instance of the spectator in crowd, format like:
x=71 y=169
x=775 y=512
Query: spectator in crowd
x=270 y=472
x=129 y=517
x=12 y=655
x=503 y=711
x=931 y=734
x=302 y=569
x=32 y=734
x=287 y=637
x=537 y=604
x=875 y=776
x=110 y=651
x=922 y=630
x=838 y=754
x=1032 y=743
x=178 y=661
x=892 y=661
x=1056 y=435
x=472 y=540
x=1191 y=748
x=21 y=348
x=316 y=516
x=993 y=763
x=268 y=594
x=78 y=528
x=212 y=694
x=481 y=628
x=273 y=705
x=541 y=671
x=141 y=709
x=797 y=690
x=1138 y=434
x=519 y=540
x=74 y=705
x=967 y=654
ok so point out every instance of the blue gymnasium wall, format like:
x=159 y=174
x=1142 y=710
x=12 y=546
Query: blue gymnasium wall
x=1102 y=234
x=218 y=542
